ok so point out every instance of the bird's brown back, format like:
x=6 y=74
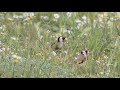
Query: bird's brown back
x=81 y=58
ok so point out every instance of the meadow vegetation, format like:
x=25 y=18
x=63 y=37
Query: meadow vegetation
x=25 y=39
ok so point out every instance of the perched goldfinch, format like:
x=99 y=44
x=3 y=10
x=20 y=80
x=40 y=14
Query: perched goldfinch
x=81 y=58
x=58 y=44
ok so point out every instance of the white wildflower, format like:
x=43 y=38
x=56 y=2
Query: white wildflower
x=48 y=43
x=79 y=25
x=0 y=42
x=15 y=16
x=12 y=53
x=48 y=31
x=26 y=19
x=63 y=30
x=41 y=17
x=100 y=15
x=25 y=15
x=54 y=53
x=85 y=34
x=45 y=17
x=10 y=19
x=8 y=48
x=19 y=58
x=57 y=35
x=107 y=73
x=101 y=73
x=65 y=72
x=1 y=27
x=28 y=16
x=13 y=38
x=16 y=57
x=2 y=49
x=118 y=14
x=49 y=58
x=52 y=36
x=56 y=16
x=69 y=31
x=20 y=16
x=84 y=18
x=111 y=19
x=31 y=14
x=97 y=61
x=109 y=23
x=78 y=21
x=105 y=14
x=40 y=38
x=66 y=52
x=77 y=53
x=69 y=14
x=105 y=57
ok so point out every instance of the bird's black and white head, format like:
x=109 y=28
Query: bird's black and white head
x=59 y=43
x=85 y=53
x=61 y=39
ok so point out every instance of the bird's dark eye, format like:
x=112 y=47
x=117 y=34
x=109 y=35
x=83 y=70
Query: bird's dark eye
x=81 y=52
x=86 y=51
x=63 y=38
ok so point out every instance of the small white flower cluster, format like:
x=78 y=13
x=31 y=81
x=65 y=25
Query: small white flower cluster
x=1 y=43
x=17 y=16
x=48 y=31
x=3 y=27
x=10 y=19
x=66 y=51
x=84 y=19
x=56 y=17
x=28 y=16
x=16 y=58
x=69 y=14
x=105 y=73
x=2 y=49
x=45 y=17
x=118 y=14
x=102 y=17
x=13 y=38
x=80 y=23
x=54 y=53
x=101 y=73
x=64 y=30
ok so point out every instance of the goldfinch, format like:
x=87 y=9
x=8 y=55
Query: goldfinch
x=58 y=44
x=81 y=58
